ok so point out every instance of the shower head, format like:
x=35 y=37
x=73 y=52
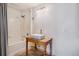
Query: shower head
x=23 y=16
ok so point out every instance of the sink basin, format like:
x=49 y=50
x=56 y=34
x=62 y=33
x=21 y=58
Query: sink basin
x=38 y=36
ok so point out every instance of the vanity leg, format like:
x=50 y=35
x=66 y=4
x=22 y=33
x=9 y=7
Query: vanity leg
x=51 y=47
x=26 y=46
x=45 y=50
x=35 y=46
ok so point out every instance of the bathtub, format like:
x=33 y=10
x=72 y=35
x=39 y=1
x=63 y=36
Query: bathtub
x=15 y=45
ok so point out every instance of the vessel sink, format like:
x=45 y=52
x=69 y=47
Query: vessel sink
x=38 y=36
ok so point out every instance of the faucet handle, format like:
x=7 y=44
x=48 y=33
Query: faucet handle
x=41 y=31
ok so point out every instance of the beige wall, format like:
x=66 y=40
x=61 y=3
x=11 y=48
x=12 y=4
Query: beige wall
x=60 y=22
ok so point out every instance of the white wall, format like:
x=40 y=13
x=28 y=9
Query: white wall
x=61 y=23
x=18 y=27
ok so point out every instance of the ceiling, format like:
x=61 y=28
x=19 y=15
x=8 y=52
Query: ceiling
x=24 y=6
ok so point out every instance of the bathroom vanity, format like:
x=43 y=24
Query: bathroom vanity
x=44 y=42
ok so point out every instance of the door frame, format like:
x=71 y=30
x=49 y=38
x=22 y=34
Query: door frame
x=3 y=29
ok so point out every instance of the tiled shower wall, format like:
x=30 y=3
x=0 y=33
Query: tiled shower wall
x=18 y=27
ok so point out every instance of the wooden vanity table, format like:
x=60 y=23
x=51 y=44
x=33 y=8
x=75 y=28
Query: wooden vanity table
x=42 y=42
